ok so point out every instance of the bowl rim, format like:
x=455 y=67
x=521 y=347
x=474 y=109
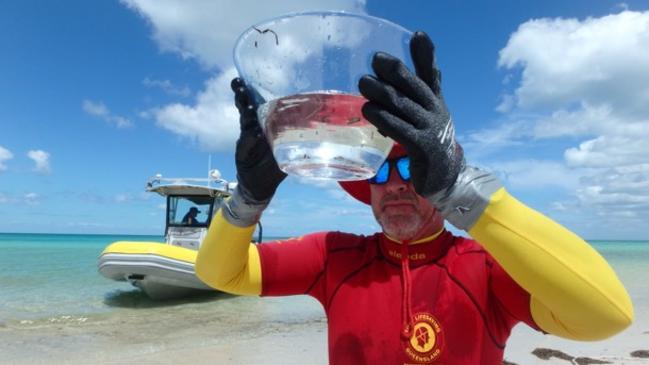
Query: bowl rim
x=238 y=42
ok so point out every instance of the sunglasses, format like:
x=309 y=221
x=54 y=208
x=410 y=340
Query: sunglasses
x=383 y=174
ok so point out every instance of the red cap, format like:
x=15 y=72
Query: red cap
x=360 y=189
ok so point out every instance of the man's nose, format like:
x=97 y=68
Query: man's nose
x=395 y=183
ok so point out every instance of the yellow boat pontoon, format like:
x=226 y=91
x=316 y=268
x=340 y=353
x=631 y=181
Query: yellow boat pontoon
x=165 y=270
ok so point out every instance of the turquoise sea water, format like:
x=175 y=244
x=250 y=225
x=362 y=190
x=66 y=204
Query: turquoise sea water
x=45 y=276
x=55 y=308
x=49 y=276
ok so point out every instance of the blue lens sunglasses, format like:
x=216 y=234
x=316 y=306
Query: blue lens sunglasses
x=383 y=174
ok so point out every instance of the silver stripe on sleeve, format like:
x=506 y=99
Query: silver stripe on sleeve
x=241 y=211
x=463 y=203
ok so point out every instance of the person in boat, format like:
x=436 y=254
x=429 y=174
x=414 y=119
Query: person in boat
x=414 y=292
x=190 y=218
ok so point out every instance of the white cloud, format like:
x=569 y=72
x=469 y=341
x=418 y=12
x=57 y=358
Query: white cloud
x=31 y=199
x=167 y=86
x=560 y=206
x=99 y=110
x=585 y=81
x=331 y=189
x=42 y=161
x=537 y=174
x=86 y=225
x=212 y=120
x=513 y=132
x=617 y=198
x=346 y=215
x=130 y=197
x=5 y=155
x=206 y=30
x=590 y=120
x=609 y=151
x=632 y=182
x=597 y=60
x=122 y=198
x=24 y=199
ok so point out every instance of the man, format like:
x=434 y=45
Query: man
x=190 y=218
x=414 y=293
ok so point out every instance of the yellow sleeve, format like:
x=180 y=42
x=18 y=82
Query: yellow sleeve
x=575 y=293
x=227 y=261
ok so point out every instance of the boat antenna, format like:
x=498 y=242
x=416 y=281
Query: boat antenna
x=209 y=170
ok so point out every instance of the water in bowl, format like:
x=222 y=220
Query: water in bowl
x=323 y=135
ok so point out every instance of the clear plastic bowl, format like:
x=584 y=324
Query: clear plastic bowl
x=304 y=70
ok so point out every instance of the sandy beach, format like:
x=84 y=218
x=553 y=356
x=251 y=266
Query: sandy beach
x=213 y=331
x=56 y=309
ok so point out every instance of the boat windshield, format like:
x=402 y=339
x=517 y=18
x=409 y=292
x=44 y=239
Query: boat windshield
x=189 y=211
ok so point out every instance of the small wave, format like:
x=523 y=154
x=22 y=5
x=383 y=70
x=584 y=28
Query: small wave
x=137 y=299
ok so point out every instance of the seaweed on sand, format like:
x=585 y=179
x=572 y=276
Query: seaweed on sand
x=643 y=354
x=547 y=354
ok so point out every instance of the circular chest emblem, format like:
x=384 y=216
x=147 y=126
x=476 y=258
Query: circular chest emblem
x=425 y=342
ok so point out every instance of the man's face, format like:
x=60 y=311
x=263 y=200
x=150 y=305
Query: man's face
x=402 y=213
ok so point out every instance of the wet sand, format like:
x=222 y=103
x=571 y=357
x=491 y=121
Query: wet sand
x=527 y=347
x=219 y=330
x=224 y=329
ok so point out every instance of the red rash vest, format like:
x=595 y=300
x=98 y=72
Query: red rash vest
x=455 y=304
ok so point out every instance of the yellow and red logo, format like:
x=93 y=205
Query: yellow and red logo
x=425 y=343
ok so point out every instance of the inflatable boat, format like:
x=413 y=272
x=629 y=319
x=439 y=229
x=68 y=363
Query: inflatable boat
x=165 y=270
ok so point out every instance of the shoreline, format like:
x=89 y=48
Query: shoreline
x=295 y=343
x=216 y=331
x=239 y=330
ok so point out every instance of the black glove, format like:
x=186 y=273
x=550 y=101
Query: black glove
x=410 y=109
x=257 y=170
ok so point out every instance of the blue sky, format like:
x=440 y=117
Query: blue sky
x=96 y=97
